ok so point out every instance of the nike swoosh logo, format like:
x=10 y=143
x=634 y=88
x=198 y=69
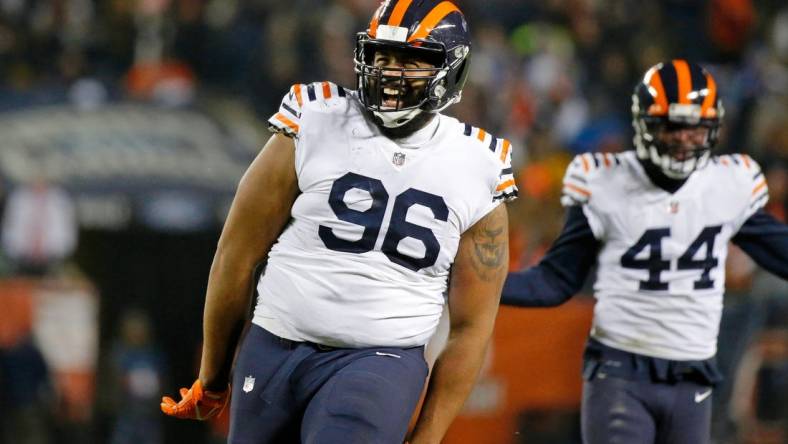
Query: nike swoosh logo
x=699 y=397
x=387 y=354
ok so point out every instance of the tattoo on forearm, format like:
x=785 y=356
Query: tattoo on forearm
x=489 y=246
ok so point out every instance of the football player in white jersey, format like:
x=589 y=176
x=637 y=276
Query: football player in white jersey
x=656 y=221
x=361 y=204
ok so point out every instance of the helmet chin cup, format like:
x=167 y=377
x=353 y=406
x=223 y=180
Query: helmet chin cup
x=671 y=167
x=395 y=119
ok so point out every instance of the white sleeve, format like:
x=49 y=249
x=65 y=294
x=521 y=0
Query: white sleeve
x=750 y=178
x=577 y=190
x=505 y=188
x=288 y=119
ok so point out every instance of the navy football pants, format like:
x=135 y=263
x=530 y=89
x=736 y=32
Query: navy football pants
x=621 y=411
x=294 y=392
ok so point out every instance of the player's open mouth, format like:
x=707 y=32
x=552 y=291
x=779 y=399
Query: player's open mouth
x=392 y=97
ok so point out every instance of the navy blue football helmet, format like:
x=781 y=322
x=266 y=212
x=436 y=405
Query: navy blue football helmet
x=431 y=30
x=671 y=96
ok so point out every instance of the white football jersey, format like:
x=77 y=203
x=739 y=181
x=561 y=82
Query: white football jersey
x=366 y=258
x=661 y=265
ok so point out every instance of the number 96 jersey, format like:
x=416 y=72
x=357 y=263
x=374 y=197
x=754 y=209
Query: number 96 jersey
x=661 y=267
x=365 y=260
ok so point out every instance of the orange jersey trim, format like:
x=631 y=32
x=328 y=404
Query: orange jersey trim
x=582 y=191
x=746 y=160
x=481 y=135
x=585 y=163
x=505 y=185
x=297 y=89
x=433 y=17
x=326 y=90
x=505 y=151
x=290 y=124
x=759 y=187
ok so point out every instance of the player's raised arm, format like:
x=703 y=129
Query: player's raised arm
x=259 y=211
x=765 y=240
x=562 y=271
x=476 y=280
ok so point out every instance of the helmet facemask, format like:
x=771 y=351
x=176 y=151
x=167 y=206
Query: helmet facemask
x=397 y=94
x=676 y=159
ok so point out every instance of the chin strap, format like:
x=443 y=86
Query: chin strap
x=395 y=119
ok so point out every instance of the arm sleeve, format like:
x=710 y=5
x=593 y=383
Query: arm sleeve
x=287 y=119
x=563 y=270
x=765 y=240
x=505 y=188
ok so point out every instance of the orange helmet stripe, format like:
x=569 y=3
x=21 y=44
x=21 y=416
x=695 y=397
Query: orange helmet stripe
x=373 y=25
x=655 y=81
x=711 y=97
x=399 y=11
x=432 y=19
x=685 y=80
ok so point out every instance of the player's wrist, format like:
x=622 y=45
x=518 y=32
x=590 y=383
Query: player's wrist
x=213 y=385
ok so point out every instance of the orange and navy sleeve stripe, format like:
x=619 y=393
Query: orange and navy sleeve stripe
x=576 y=188
x=505 y=188
x=287 y=120
x=759 y=195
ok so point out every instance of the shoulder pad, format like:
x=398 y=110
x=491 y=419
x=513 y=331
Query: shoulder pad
x=288 y=119
x=581 y=171
x=501 y=149
x=748 y=175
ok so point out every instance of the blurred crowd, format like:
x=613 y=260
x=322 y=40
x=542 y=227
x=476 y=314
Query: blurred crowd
x=555 y=77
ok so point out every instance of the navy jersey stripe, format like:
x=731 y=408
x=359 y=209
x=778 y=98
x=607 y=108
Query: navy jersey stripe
x=340 y=91
x=292 y=111
x=506 y=195
x=506 y=171
x=467 y=131
x=735 y=160
x=493 y=143
x=757 y=175
x=577 y=178
x=759 y=198
x=596 y=159
x=615 y=157
x=310 y=91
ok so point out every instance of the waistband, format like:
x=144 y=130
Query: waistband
x=600 y=359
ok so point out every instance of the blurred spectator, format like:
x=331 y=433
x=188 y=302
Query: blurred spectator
x=137 y=366
x=25 y=394
x=39 y=227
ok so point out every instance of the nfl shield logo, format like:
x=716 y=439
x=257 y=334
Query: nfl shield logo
x=248 y=384
x=398 y=159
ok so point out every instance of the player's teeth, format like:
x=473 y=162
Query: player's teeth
x=391 y=91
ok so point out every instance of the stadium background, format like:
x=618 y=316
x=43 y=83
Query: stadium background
x=146 y=112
